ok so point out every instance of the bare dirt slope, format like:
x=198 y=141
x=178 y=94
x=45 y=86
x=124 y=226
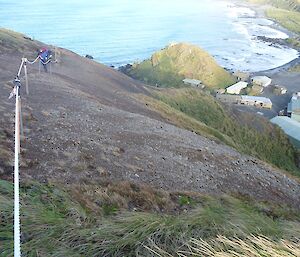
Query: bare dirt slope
x=82 y=124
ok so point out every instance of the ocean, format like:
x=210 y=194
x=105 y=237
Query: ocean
x=117 y=32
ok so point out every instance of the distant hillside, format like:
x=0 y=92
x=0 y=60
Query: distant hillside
x=11 y=41
x=246 y=132
x=168 y=67
x=293 y=5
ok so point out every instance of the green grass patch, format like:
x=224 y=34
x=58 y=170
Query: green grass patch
x=110 y=209
x=54 y=223
x=295 y=69
x=294 y=42
x=185 y=200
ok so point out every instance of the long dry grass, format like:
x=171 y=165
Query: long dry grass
x=254 y=246
x=55 y=223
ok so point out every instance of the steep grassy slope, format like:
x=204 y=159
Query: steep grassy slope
x=168 y=67
x=293 y=5
x=246 y=132
x=67 y=222
x=288 y=19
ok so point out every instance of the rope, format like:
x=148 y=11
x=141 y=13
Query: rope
x=37 y=58
x=24 y=64
x=44 y=63
x=34 y=61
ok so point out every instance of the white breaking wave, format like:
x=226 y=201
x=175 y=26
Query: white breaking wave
x=254 y=55
x=119 y=32
x=235 y=12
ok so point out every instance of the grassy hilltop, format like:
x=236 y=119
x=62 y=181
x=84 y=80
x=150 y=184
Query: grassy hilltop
x=168 y=67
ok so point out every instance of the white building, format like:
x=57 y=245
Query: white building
x=236 y=88
x=262 y=81
x=257 y=101
x=192 y=82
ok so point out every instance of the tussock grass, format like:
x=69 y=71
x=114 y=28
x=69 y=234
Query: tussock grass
x=254 y=246
x=55 y=223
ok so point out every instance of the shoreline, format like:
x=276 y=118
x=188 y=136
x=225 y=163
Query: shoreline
x=260 y=13
x=280 y=75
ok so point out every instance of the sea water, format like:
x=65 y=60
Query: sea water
x=117 y=32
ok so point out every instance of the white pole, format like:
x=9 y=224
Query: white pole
x=21 y=121
x=26 y=78
x=17 y=248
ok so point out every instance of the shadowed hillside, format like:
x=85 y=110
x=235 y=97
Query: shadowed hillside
x=246 y=132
